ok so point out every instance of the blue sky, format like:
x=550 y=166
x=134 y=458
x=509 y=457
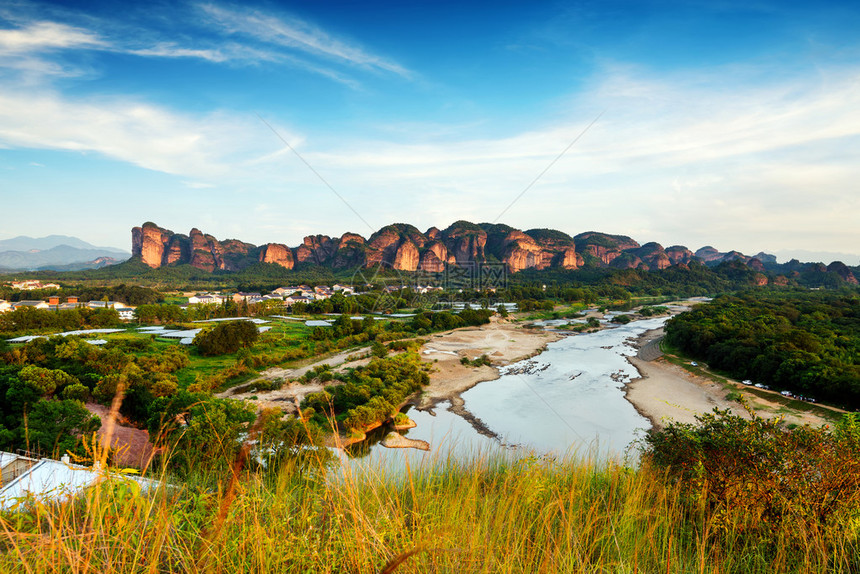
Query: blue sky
x=734 y=124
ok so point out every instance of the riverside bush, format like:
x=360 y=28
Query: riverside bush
x=757 y=478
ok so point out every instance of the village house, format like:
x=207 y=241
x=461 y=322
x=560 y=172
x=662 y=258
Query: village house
x=31 y=284
x=285 y=291
x=71 y=303
x=5 y=306
x=105 y=304
x=247 y=297
x=206 y=299
x=288 y=301
x=32 y=304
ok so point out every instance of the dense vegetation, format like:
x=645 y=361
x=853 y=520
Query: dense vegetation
x=128 y=294
x=31 y=320
x=725 y=495
x=754 y=476
x=368 y=394
x=801 y=341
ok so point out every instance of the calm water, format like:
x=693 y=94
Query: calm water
x=568 y=398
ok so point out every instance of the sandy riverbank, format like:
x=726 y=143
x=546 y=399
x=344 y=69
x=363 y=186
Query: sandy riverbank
x=666 y=392
x=502 y=341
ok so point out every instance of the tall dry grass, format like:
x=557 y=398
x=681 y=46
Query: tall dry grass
x=491 y=513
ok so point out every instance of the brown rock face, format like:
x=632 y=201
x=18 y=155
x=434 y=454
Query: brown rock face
x=760 y=280
x=406 y=258
x=628 y=260
x=604 y=247
x=652 y=255
x=570 y=259
x=756 y=265
x=403 y=247
x=201 y=251
x=679 y=254
x=149 y=243
x=396 y=245
x=316 y=249
x=178 y=250
x=780 y=280
x=431 y=262
x=708 y=254
x=382 y=246
x=465 y=243
x=278 y=254
x=350 y=251
x=232 y=254
x=522 y=252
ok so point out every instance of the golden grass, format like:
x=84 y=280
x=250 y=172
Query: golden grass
x=490 y=514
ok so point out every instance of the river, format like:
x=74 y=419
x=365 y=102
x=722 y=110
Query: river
x=568 y=399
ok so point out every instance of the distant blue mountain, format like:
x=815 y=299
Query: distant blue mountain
x=24 y=243
x=55 y=252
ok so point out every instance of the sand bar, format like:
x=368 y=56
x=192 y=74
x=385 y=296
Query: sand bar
x=667 y=392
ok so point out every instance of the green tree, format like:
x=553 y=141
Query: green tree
x=226 y=337
x=46 y=380
x=54 y=427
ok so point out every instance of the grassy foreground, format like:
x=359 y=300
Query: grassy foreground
x=490 y=514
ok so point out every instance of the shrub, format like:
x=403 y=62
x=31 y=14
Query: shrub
x=378 y=350
x=76 y=392
x=757 y=476
x=227 y=337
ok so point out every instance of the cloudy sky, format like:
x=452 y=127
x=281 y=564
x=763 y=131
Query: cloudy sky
x=734 y=124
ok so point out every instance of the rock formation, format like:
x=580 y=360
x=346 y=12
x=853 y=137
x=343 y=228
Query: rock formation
x=401 y=246
x=278 y=254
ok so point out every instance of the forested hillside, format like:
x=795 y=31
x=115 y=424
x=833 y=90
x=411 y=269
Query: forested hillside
x=807 y=342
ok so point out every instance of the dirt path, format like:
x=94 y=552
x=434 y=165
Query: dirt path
x=290 y=395
x=132 y=444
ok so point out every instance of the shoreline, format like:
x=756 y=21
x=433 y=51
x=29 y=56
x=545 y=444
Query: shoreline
x=667 y=392
x=638 y=343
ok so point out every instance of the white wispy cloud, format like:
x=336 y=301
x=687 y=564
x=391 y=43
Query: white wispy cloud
x=43 y=35
x=296 y=34
x=35 y=46
x=202 y=147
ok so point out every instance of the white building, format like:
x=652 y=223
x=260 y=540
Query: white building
x=206 y=299
x=105 y=305
x=33 y=304
x=31 y=284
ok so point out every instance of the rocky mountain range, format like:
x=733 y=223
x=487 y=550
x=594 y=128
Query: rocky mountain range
x=403 y=247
